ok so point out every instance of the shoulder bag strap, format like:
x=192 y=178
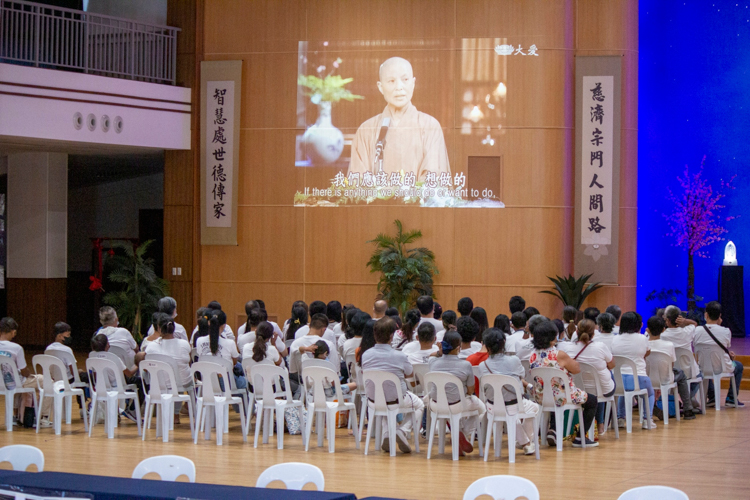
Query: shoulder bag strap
x=579 y=352
x=723 y=347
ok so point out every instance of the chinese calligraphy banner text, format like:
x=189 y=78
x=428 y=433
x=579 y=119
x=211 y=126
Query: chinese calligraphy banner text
x=597 y=167
x=220 y=105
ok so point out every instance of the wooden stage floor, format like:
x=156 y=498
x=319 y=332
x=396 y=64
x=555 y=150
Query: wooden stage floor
x=707 y=458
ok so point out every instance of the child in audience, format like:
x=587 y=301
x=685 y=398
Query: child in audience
x=451 y=363
x=422 y=349
x=503 y=364
x=321 y=350
x=99 y=344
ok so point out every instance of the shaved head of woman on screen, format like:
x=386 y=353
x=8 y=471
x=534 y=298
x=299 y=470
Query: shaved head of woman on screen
x=414 y=141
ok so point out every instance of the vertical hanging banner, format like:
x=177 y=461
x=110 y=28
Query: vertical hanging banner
x=221 y=84
x=597 y=201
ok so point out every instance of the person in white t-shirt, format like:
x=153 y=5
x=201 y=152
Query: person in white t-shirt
x=335 y=315
x=605 y=322
x=304 y=346
x=298 y=320
x=408 y=331
x=116 y=336
x=262 y=351
x=356 y=324
x=262 y=306
x=11 y=352
x=597 y=354
x=178 y=349
x=724 y=336
x=631 y=344
x=216 y=345
x=422 y=349
x=63 y=341
x=246 y=333
x=680 y=332
x=168 y=306
x=518 y=331
x=655 y=327
x=154 y=333
x=426 y=306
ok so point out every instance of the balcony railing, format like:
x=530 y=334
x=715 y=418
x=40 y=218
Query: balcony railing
x=59 y=38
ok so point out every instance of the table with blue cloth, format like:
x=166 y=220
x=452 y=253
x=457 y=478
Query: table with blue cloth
x=118 y=488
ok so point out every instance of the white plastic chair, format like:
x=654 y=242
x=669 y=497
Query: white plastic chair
x=527 y=370
x=21 y=456
x=711 y=362
x=441 y=411
x=314 y=379
x=496 y=414
x=547 y=374
x=502 y=487
x=379 y=409
x=590 y=378
x=294 y=475
x=653 y=493
x=620 y=392
x=212 y=395
x=268 y=401
x=420 y=370
x=9 y=368
x=169 y=468
x=181 y=387
x=685 y=359
x=659 y=366
x=103 y=392
x=70 y=361
x=233 y=390
x=127 y=357
x=162 y=395
x=54 y=385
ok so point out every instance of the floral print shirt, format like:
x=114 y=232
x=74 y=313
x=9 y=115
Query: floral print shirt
x=547 y=358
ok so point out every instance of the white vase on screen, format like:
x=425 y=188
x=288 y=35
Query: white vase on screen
x=324 y=143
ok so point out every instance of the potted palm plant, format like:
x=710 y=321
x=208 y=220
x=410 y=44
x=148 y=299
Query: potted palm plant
x=141 y=288
x=572 y=291
x=405 y=273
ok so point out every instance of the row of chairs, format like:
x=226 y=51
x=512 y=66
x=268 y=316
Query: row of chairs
x=296 y=475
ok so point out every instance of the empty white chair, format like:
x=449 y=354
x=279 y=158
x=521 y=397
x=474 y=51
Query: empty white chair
x=502 y=487
x=590 y=378
x=169 y=468
x=641 y=394
x=162 y=395
x=547 y=375
x=659 y=366
x=270 y=399
x=440 y=411
x=653 y=493
x=711 y=362
x=102 y=391
x=496 y=415
x=70 y=361
x=9 y=369
x=21 y=456
x=315 y=379
x=685 y=358
x=294 y=475
x=54 y=385
x=213 y=395
x=380 y=409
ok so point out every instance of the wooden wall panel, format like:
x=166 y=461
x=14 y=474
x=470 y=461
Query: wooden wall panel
x=177 y=232
x=287 y=253
x=36 y=305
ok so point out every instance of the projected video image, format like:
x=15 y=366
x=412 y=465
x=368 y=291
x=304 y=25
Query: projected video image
x=401 y=122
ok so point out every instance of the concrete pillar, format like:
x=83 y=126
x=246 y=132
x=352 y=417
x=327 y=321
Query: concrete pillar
x=37 y=207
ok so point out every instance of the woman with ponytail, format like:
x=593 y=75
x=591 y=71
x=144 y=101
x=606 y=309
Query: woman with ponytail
x=408 y=329
x=177 y=349
x=262 y=350
x=216 y=345
x=570 y=314
x=598 y=355
x=297 y=321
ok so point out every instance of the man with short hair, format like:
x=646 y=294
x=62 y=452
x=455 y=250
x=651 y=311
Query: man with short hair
x=516 y=304
x=383 y=357
x=591 y=313
x=468 y=329
x=530 y=311
x=426 y=307
x=724 y=337
x=334 y=311
x=518 y=324
x=420 y=350
x=379 y=309
x=655 y=328
x=318 y=307
x=11 y=352
x=465 y=306
x=305 y=345
x=615 y=311
x=116 y=336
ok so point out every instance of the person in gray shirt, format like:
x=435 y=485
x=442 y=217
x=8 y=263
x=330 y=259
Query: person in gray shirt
x=450 y=363
x=499 y=363
x=383 y=357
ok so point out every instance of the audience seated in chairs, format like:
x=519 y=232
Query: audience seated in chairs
x=99 y=344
